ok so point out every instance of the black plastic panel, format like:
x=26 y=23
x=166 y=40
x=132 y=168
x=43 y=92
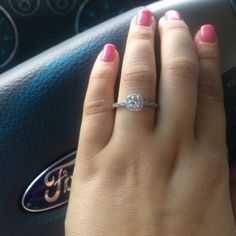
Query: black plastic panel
x=229 y=79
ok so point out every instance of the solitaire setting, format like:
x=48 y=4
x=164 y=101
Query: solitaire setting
x=135 y=103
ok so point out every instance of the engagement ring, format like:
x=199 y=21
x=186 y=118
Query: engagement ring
x=135 y=102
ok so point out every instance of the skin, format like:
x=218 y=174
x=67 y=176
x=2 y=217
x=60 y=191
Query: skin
x=157 y=172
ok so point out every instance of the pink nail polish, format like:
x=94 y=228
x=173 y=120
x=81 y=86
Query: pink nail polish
x=208 y=33
x=173 y=15
x=144 y=17
x=109 y=52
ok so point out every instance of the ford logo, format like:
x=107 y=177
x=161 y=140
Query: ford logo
x=51 y=188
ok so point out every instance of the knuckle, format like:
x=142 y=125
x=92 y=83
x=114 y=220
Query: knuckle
x=212 y=90
x=215 y=166
x=95 y=107
x=182 y=67
x=139 y=75
x=103 y=73
x=176 y=25
x=209 y=52
x=141 y=33
x=218 y=170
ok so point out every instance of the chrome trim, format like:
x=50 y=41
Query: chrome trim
x=16 y=38
x=58 y=12
x=37 y=178
x=24 y=14
x=78 y=15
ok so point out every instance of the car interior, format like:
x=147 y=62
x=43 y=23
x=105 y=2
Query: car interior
x=47 y=49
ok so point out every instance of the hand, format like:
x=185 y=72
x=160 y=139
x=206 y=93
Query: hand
x=158 y=171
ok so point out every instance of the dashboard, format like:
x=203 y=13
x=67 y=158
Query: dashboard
x=28 y=27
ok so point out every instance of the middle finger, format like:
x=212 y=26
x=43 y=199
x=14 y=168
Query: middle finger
x=179 y=77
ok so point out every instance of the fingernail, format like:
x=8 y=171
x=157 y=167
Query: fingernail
x=109 y=52
x=208 y=33
x=173 y=15
x=144 y=17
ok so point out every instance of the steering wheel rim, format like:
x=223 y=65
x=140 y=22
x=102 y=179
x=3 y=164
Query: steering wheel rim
x=41 y=104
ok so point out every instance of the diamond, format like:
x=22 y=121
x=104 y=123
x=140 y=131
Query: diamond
x=134 y=102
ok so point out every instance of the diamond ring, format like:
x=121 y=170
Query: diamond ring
x=135 y=102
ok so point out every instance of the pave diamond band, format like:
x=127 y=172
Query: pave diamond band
x=135 y=102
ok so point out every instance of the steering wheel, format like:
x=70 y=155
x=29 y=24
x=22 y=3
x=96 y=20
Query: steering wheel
x=41 y=104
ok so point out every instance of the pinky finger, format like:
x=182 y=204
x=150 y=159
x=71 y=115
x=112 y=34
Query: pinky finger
x=98 y=114
x=210 y=112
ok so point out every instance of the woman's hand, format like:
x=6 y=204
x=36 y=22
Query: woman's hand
x=158 y=171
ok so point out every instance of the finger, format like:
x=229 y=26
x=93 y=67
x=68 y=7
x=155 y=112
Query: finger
x=179 y=76
x=138 y=73
x=210 y=121
x=98 y=115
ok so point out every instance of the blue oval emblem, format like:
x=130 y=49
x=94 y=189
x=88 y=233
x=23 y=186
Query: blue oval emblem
x=51 y=188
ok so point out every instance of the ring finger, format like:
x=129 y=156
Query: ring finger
x=138 y=74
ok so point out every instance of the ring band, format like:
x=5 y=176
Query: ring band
x=135 y=102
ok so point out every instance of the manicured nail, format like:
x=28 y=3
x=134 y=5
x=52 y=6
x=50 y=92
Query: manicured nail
x=208 y=33
x=109 y=52
x=144 y=17
x=173 y=15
